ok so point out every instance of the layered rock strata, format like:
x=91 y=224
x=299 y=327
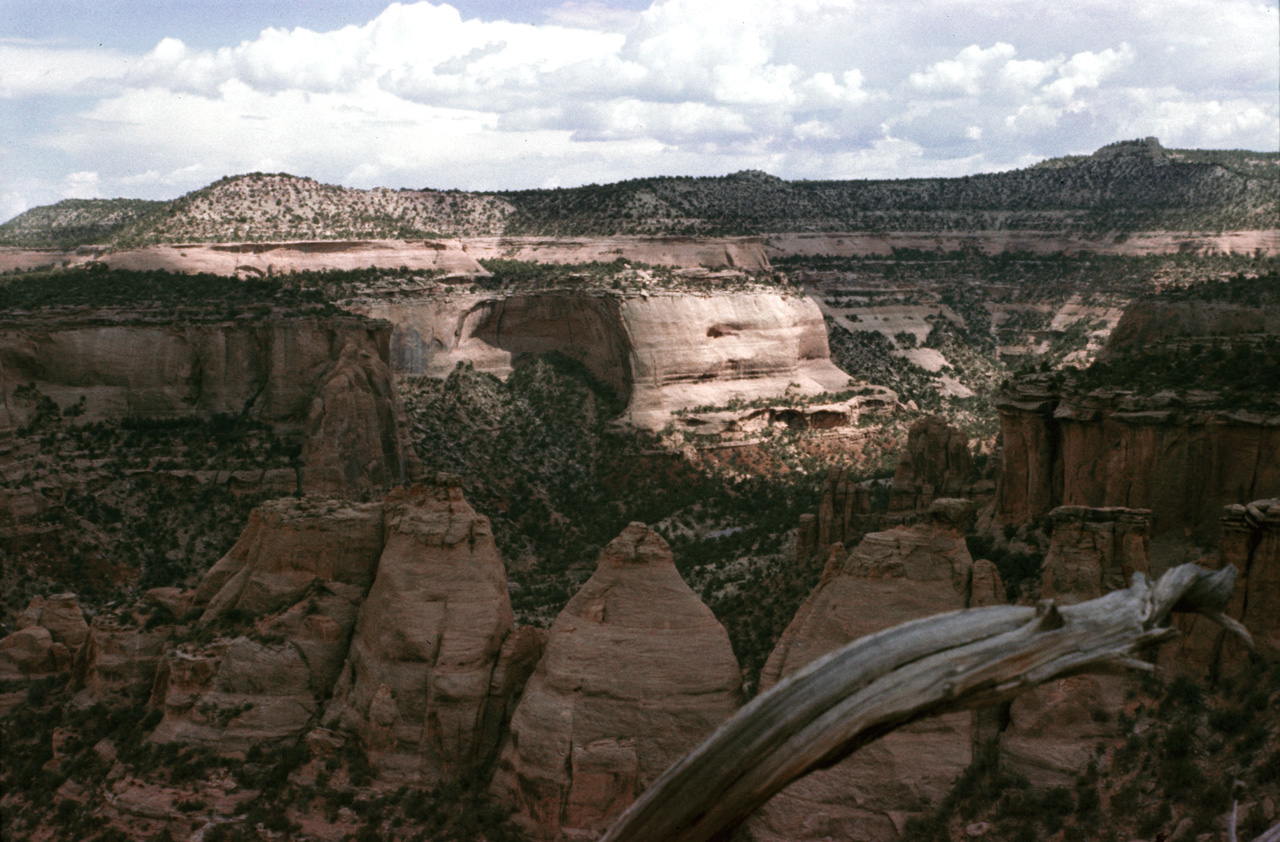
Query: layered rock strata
x=636 y=672
x=321 y=381
x=890 y=578
x=1178 y=456
x=660 y=352
x=1052 y=730
x=48 y=633
x=285 y=599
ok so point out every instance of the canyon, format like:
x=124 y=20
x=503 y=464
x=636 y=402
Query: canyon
x=471 y=536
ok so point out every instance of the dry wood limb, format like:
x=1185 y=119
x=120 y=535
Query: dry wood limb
x=966 y=659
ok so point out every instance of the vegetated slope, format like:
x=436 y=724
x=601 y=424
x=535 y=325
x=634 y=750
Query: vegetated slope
x=1127 y=186
x=74 y=222
x=269 y=207
x=1134 y=185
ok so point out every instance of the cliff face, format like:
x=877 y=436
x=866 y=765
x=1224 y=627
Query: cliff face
x=660 y=352
x=1115 y=449
x=890 y=578
x=637 y=670
x=324 y=381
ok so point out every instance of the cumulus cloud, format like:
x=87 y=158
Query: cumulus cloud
x=81 y=185
x=421 y=95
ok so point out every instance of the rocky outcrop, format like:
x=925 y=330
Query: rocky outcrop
x=1176 y=455
x=284 y=600
x=117 y=663
x=308 y=377
x=48 y=632
x=1052 y=730
x=889 y=578
x=660 y=352
x=423 y=681
x=636 y=672
x=935 y=463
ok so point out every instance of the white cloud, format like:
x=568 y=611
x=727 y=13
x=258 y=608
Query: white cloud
x=12 y=204
x=81 y=185
x=811 y=88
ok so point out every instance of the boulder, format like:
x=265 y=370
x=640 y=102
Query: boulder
x=890 y=578
x=636 y=672
x=61 y=615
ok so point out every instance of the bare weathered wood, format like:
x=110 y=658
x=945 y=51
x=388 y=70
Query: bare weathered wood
x=965 y=659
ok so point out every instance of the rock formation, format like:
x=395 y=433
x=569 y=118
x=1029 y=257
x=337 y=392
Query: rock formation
x=285 y=598
x=285 y=371
x=116 y=665
x=660 y=352
x=1114 y=449
x=889 y=578
x=424 y=660
x=636 y=671
x=935 y=463
x=1053 y=729
x=48 y=633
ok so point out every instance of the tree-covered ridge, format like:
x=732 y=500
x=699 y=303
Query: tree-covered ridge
x=1128 y=186
x=74 y=222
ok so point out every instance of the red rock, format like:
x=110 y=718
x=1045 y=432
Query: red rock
x=636 y=672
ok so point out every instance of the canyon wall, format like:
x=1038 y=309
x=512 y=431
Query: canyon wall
x=1117 y=449
x=661 y=352
x=321 y=381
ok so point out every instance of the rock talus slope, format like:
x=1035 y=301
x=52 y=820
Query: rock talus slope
x=889 y=578
x=636 y=671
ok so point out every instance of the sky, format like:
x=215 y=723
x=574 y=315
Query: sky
x=154 y=98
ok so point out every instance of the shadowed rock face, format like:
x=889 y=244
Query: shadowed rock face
x=636 y=672
x=322 y=381
x=48 y=633
x=1114 y=449
x=935 y=463
x=1052 y=730
x=890 y=578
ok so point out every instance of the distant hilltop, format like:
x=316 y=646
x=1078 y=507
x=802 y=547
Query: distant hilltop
x=1134 y=185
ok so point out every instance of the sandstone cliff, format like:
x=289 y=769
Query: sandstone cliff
x=636 y=671
x=891 y=577
x=48 y=633
x=660 y=352
x=1176 y=455
x=285 y=600
x=415 y=688
x=323 y=381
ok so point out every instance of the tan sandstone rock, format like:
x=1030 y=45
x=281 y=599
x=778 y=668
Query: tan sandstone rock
x=890 y=577
x=636 y=672
x=417 y=683
x=285 y=599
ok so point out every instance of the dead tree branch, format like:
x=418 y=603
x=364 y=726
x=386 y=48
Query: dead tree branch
x=965 y=659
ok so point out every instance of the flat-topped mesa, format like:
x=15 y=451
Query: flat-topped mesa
x=661 y=352
x=1052 y=730
x=416 y=685
x=891 y=577
x=636 y=672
